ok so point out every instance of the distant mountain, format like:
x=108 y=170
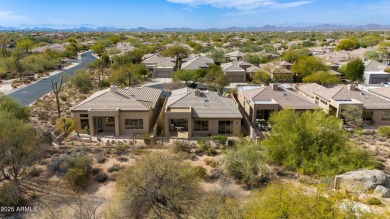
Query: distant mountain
x=291 y=27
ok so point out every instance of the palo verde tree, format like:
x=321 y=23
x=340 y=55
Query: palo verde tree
x=353 y=70
x=313 y=143
x=323 y=78
x=178 y=52
x=216 y=78
x=160 y=185
x=57 y=88
x=307 y=65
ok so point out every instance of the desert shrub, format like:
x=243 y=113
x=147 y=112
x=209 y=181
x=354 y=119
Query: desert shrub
x=63 y=98
x=101 y=159
x=200 y=171
x=210 y=162
x=35 y=172
x=121 y=148
x=101 y=177
x=374 y=201
x=384 y=131
x=56 y=166
x=66 y=125
x=79 y=162
x=10 y=194
x=180 y=146
x=219 y=139
x=82 y=81
x=122 y=159
x=43 y=115
x=114 y=168
x=211 y=151
x=147 y=139
x=76 y=178
x=244 y=163
x=95 y=171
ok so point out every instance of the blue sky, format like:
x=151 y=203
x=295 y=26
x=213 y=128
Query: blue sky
x=192 y=13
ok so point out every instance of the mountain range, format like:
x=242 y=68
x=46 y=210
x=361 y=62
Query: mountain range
x=91 y=28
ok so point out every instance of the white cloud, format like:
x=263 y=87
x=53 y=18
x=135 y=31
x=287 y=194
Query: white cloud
x=11 y=16
x=241 y=4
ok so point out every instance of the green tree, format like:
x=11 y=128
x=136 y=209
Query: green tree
x=307 y=65
x=352 y=115
x=82 y=81
x=217 y=55
x=99 y=48
x=178 y=52
x=160 y=185
x=293 y=55
x=261 y=77
x=354 y=70
x=184 y=75
x=25 y=45
x=372 y=55
x=126 y=74
x=216 y=78
x=347 y=44
x=313 y=143
x=17 y=65
x=256 y=59
x=322 y=77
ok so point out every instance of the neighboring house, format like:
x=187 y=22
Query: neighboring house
x=234 y=56
x=380 y=90
x=197 y=62
x=237 y=70
x=191 y=113
x=113 y=112
x=375 y=110
x=161 y=67
x=279 y=71
x=259 y=102
x=374 y=72
x=123 y=47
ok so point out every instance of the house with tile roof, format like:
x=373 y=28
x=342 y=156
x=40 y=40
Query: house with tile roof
x=374 y=72
x=194 y=113
x=161 y=67
x=238 y=71
x=197 y=62
x=278 y=70
x=259 y=102
x=375 y=110
x=130 y=111
x=234 y=56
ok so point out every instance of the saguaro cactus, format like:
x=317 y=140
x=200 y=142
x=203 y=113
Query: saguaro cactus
x=56 y=90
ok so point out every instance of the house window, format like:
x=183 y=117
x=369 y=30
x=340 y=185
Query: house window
x=201 y=125
x=110 y=122
x=134 y=124
x=386 y=116
x=225 y=127
x=83 y=115
x=84 y=123
x=368 y=115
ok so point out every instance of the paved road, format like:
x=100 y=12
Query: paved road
x=33 y=92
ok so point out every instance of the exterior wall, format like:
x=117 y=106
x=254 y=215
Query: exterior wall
x=147 y=119
x=377 y=117
x=165 y=71
x=237 y=76
x=176 y=115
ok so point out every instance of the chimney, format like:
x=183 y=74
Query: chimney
x=114 y=89
x=275 y=87
x=351 y=87
x=197 y=93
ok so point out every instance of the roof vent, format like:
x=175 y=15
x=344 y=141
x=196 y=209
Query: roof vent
x=114 y=89
x=363 y=95
x=206 y=103
x=285 y=95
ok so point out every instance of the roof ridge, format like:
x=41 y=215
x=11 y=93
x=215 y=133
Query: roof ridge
x=341 y=88
x=180 y=98
x=88 y=100
x=261 y=90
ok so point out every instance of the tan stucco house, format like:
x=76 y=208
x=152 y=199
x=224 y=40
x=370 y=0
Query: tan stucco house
x=259 y=102
x=375 y=110
x=195 y=113
x=115 y=111
x=161 y=67
x=238 y=71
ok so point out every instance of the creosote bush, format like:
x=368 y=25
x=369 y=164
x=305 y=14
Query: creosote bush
x=384 y=131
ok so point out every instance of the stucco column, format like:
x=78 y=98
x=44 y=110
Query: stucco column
x=117 y=126
x=254 y=115
x=166 y=126
x=91 y=127
x=190 y=128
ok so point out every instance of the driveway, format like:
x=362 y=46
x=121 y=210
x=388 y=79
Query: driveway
x=29 y=94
